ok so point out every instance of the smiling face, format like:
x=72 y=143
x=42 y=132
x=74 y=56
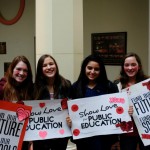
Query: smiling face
x=20 y=72
x=131 y=66
x=92 y=70
x=49 y=67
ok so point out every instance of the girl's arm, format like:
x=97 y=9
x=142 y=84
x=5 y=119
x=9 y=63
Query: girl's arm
x=69 y=121
x=130 y=111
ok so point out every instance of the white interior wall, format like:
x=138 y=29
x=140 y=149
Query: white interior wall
x=100 y=16
x=59 y=26
x=19 y=37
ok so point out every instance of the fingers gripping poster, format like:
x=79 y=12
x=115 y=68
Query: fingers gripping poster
x=13 y=122
x=139 y=95
x=100 y=115
x=47 y=120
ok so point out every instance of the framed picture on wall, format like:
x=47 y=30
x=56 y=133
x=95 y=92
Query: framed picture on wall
x=2 y=47
x=110 y=46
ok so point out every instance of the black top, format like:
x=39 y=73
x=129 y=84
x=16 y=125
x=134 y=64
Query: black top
x=77 y=92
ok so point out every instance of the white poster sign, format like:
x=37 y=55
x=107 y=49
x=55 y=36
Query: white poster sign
x=13 y=122
x=139 y=95
x=100 y=115
x=47 y=120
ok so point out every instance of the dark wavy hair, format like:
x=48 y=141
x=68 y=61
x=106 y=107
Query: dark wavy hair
x=41 y=81
x=14 y=90
x=140 y=76
x=83 y=79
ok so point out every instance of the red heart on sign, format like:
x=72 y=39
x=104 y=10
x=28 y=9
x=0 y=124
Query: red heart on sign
x=125 y=126
x=41 y=105
x=147 y=84
x=22 y=114
x=64 y=103
x=42 y=134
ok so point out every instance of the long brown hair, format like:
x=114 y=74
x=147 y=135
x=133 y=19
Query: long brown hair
x=14 y=90
x=40 y=84
x=140 y=76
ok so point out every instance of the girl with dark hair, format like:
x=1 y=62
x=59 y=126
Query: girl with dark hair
x=93 y=81
x=130 y=74
x=17 y=83
x=49 y=84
